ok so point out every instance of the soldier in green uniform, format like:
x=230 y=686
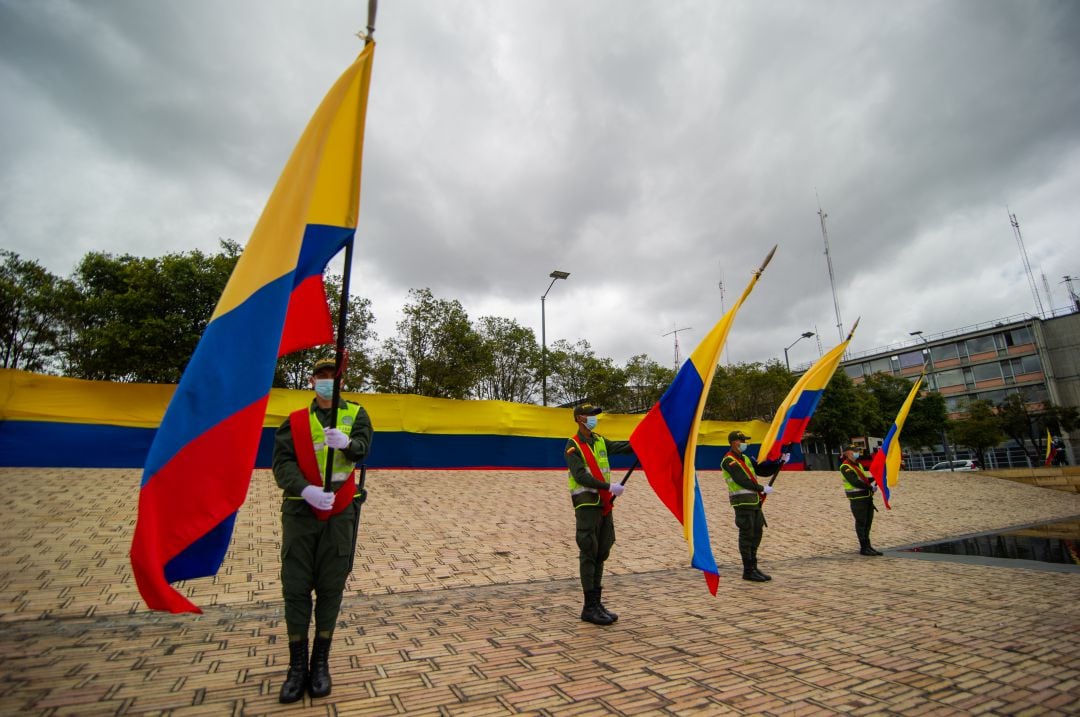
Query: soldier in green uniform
x=859 y=488
x=318 y=527
x=591 y=491
x=745 y=494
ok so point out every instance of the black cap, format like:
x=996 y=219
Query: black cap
x=587 y=409
x=852 y=447
x=323 y=364
x=737 y=436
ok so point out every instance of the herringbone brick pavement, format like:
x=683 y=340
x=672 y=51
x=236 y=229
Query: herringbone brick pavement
x=464 y=601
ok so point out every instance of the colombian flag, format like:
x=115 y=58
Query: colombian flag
x=666 y=440
x=1050 y=450
x=789 y=423
x=885 y=466
x=199 y=466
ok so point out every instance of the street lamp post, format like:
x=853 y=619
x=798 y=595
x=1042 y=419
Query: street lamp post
x=805 y=335
x=555 y=276
x=934 y=387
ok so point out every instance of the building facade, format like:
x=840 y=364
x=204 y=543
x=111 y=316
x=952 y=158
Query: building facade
x=1036 y=358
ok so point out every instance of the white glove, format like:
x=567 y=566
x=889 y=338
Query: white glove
x=768 y=489
x=617 y=489
x=336 y=439
x=873 y=487
x=317 y=498
x=785 y=457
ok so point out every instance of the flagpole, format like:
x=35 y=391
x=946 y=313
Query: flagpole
x=340 y=357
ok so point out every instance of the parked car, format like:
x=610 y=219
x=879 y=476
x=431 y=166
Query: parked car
x=966 y=465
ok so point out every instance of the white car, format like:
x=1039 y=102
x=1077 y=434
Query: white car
x=967 y=465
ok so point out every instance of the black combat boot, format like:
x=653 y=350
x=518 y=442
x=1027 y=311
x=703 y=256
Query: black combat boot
x=600 y=604
x=749 y=572
x=759 y=573
x=867 y=550
x=297 y=677
x=591 y=612
x=319 y=683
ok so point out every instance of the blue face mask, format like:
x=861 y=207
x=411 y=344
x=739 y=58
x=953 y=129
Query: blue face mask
x=590 y=422
x=324 y=388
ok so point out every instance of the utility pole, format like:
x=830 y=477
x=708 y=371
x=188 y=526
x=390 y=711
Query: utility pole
x=1068 y=280
x=676 y=333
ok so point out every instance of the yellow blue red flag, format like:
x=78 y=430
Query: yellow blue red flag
x=796 y=410
x=665 y=442
x=199 y=466
x=885 y=465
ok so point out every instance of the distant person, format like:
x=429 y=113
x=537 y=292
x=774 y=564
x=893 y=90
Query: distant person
x=1060 y=459
x=318 y=527
x=859 y=488
x=745 y=495
x=591 y=493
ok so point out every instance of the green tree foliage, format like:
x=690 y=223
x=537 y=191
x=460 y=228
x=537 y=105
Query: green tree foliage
x=1028 y=426
x=926 y=420
x=748 y=391
x=979 y=429
x=31 y=311
x=139 y=319
x=294 y=370
x=576 y=375
x=510 y=361
x=845 y=410
x=646 y=381
x=436 y=351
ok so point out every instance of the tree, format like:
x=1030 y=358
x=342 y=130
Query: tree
x=646 y=381
x=841 y=414
x=139 y=319
x=748 y=391
x=293 y=370
x=510 y=361
x=577 y=375
x=926 y=420
x=31 y=311
x=1025 y=425
x=435 y=353
x=979 y=429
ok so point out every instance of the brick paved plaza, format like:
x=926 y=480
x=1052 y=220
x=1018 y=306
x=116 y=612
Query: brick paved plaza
x=465 y=601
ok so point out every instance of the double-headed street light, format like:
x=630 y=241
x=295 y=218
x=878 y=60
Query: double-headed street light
x=805 y=335
x=555 y=276
x=934 y=387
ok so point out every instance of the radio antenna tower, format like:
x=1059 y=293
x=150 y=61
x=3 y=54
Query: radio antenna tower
x=828 y=260
x=676 y=333
x=1046 y=290
x=723 y=310
x=1068 y=280
x=1027 y=264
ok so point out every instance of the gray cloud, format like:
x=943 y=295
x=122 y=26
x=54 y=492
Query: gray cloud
x=650 y=149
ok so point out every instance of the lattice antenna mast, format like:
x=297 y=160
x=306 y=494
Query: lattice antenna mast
x=675 y=332
x=1027 y=264
x=723 y=310
x=1068 y=280
x=1046 y=290
x=832 y=279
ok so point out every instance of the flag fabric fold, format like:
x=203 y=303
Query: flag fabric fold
x=665 y=442
x=1050 y=450
x=885 y=465
x=796 y=410
x=199 y=466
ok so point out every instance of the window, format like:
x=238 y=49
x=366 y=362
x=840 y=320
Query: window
x=980 y=345
x=1019 y=337
x=944 y=353
x=1030 y=364
x=986 y=371
x=881 y=365
x=954 y=404
x=912 y=358
x=994 y=397
x=951 y=377
x=854 y=370
x=1034 y=394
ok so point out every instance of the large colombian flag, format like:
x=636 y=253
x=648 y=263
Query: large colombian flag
x=199 y=466
x=885 y=465
x=789 y=423
x=665 y=441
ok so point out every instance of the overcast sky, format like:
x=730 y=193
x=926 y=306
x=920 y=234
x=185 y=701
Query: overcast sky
x=651 y=149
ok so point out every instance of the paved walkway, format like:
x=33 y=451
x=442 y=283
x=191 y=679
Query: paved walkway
x=469 y=607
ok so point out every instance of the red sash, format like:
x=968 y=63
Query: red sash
x=300 y=425
x=594 y=468
x=738 y=458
